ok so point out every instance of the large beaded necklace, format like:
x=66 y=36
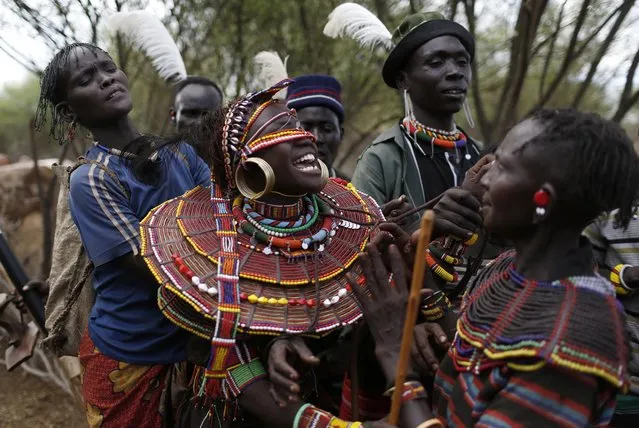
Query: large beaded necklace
x=281 y=237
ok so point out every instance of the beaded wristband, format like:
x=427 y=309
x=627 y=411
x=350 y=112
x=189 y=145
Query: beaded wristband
x=309 y=416
x=439 y=270
x=430 y=423
x=616 y=277
x=413 y=390
x=436 y=309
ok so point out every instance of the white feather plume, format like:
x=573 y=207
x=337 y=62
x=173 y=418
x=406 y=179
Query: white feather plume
x=356 y=22
x=270 y=70
x=148 y=34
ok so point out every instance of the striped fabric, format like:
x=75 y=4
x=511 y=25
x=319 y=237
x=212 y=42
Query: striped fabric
x=613 y=246
x=502 y=397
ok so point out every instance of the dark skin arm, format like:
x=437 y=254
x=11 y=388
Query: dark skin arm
x=257 y=400
x=384 y=311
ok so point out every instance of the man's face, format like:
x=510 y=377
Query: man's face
x=438 y=74
x=324 y=124
x=192 y=102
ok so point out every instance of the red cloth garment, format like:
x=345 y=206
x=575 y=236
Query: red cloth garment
x=118 y=394
x=372 y=407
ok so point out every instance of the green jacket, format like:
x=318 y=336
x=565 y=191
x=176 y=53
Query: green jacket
x=389 y=169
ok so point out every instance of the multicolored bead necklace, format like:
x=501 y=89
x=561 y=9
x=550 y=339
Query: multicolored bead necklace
x=446 y=139
x=279 y=237
x=283 y=227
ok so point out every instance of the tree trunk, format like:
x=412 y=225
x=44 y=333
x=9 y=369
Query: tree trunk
x=528 y=20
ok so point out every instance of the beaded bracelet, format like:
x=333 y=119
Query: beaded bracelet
x=430 y=423
x=616 y=277
x=435 y=306
x=439 y=270
x=441 y=255
x=413 y=390
x=310 y=416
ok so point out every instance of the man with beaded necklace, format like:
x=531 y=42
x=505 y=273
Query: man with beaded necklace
x=426 y=152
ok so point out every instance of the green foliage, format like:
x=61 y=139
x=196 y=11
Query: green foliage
x=219 y=38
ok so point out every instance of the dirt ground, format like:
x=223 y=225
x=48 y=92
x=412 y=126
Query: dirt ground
x=29 y=402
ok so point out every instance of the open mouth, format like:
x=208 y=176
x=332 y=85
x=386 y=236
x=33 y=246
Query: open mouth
x=115 y=93
x=307 y=163
x=454 y=91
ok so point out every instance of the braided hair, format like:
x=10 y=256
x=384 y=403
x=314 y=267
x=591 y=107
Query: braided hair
x=591 y=160
x=53 y=89
x=206 y=137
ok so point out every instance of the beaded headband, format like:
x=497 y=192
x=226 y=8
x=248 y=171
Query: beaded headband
x=236 y=147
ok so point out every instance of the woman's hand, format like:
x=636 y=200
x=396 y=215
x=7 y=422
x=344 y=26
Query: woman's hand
x=385 y=309
x=426 y=336
x=283 y=376
x=473 y=176
x=456 y=214
x=395 y=208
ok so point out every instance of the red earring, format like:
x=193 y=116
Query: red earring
x=541 y=199
x=71 y=132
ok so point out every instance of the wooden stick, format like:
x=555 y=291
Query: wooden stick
x=411 y=314
x=428 y=205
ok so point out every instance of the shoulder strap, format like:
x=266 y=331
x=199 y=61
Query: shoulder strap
x=83 y=161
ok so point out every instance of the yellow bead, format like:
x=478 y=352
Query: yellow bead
x=252 y=298
x=470 y=241
x=272 y=301
x=283 y=301
x=262 y=300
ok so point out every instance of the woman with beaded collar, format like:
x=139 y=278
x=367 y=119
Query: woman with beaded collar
x=264 y=252
x=539 y=339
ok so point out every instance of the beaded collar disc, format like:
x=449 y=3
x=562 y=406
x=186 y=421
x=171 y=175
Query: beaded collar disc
x=575 y=323
x=281 y=291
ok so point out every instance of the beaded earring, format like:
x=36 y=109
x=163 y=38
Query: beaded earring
x=541 y=199
x=71 y=131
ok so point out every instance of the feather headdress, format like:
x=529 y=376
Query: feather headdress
x=270 y=70
x=356 y=22
x=149 y=35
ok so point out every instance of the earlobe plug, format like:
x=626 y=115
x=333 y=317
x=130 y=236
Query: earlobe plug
x=541 y=199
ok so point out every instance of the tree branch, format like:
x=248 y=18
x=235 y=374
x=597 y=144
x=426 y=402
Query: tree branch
x=573 y=54
x=628 y=99
x=551 y=50
x=485 y=125
x=528 y=20
x=624 y=9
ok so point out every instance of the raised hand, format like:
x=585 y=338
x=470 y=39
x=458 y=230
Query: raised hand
x=423 y=354
x=456 y=214
x=395 y=208
x=385 y=308
x=473 y=176
x=283 y=354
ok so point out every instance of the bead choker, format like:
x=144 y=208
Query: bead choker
x=278 y=211
x=446 y=139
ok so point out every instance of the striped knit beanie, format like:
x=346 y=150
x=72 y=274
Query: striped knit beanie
x=316 y=90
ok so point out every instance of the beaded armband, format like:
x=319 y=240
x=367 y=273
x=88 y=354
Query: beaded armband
x=616 y=277
x=413 y=390
x=435 y=306
x=238 y=378
x=444 y=254
x=310 y=416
